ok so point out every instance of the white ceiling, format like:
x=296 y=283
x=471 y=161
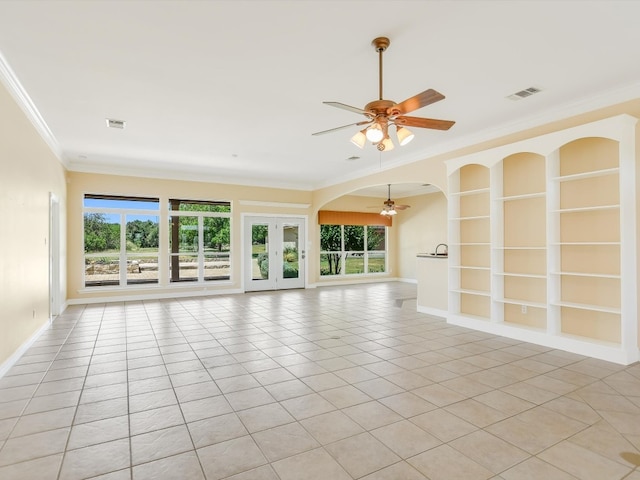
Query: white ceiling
x=231 y=91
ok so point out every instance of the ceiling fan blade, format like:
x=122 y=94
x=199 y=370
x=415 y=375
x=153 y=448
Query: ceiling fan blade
x=402 y=207
x=347 y=107
x=417 y=101
x=424 y=123
x=340 y=128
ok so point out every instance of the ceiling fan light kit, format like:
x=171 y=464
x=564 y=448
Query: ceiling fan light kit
x=390 y=208
x=383 y=113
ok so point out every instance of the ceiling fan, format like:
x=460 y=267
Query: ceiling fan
x=383 y=113
x=389 y=206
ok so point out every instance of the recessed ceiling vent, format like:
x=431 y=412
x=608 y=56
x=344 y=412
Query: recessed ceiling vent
x=113 y=123
x=527 y=92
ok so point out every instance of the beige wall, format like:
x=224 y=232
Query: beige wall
x=28 y=173
x=81 y=183
x=419 y=229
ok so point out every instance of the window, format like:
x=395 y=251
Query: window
x=352 y=249
x=199 y=240
x=120 y=240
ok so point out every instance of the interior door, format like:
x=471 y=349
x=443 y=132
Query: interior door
x=274 y=257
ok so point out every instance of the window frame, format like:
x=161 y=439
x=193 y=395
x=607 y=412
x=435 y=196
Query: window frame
x=343 y=253
x=200 y=253
x=122 y=254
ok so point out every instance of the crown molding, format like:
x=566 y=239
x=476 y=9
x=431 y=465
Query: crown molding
x=274 y=204
x=22 y=98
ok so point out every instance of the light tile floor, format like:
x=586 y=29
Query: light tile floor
x=334 y=383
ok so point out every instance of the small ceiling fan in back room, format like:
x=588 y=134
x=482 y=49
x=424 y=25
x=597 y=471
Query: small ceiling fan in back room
x=389 y=207
x=381 y=114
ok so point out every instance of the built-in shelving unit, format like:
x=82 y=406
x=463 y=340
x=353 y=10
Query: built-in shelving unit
x=587 y=177
x=470 y=276
x=543 y=240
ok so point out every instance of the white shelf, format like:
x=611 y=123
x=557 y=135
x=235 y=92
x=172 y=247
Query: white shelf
x=469 y=267
x=581 y=274
x=587 y=209
x=585 y=243
x=479 y=217
x=517 y=301
x=473 y=244
x=470 y=192
x=584 y=306
x=591 y=174
x=519 y=248
x=523 y=196
x=525 y=275
x=481 y=293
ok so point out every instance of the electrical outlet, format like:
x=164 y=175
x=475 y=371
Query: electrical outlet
x=524 y=309
x=34 y=313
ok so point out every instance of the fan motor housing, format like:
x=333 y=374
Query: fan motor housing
x=379 y=107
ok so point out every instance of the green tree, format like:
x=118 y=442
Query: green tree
x=259 y=234
x=143 y=233
x=99 y=235
x=331 y=242
x=375 y=237
x=217 y=233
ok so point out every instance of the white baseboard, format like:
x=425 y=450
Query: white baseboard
x=434 y=312
x=351 y=281
x=407 y=280
x=604 y=351
x=151 y=296
x=11 y=361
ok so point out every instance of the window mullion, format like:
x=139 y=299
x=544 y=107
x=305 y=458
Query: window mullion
x=343 y=254
x=123 y=248
x=200 y=248
x=366 y=250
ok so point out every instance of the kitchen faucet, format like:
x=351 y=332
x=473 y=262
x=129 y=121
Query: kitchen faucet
x=446 y=248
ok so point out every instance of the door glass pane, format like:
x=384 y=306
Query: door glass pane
x=260 y=251
x=290 y=251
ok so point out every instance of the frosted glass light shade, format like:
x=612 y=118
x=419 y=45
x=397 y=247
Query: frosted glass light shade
x=388 y=144
x=359 y=139
x=374 y=133
x=404 y=135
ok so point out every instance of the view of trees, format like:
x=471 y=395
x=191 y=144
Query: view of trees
x=354 y=238
x=99 y=234
x=216 y=230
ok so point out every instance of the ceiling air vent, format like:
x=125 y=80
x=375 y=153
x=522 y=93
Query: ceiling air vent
x=112 y=123
x=527 y=92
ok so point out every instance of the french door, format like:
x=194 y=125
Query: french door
x=274 y=253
